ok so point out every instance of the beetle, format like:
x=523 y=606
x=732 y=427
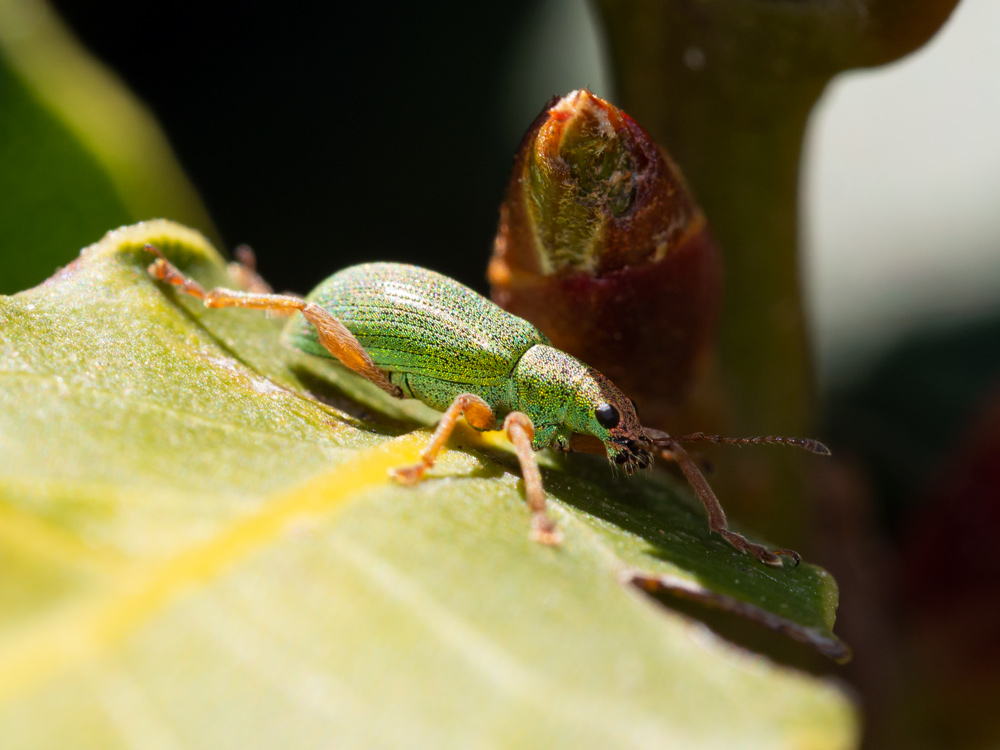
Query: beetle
x=418 y=334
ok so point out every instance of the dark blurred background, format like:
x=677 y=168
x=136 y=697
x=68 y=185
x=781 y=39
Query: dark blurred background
x=325 y=135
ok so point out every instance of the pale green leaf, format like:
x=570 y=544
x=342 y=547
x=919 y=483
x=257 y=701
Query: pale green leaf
x=199 y=552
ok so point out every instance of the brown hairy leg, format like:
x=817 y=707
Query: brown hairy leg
x=717 y=517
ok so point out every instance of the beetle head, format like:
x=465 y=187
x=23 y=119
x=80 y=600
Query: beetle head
x=610 y=417
x=602 y=411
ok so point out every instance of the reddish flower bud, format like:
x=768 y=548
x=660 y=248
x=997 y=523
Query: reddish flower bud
x=602 y=246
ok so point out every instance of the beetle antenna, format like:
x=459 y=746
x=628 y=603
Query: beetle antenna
x=813 y=446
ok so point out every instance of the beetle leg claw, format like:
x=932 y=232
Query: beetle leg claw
x=759 y=551
x=409 y=475
x=544 y=531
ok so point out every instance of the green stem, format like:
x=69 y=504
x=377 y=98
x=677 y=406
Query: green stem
x=727 y=86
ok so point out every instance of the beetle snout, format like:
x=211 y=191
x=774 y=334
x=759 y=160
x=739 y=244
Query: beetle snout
x=633 y=455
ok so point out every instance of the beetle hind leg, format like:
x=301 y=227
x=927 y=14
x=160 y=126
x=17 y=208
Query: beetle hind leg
x=333 y=334
x=243 y=270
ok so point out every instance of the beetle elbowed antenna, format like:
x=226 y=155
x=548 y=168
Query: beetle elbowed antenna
x=418 y=334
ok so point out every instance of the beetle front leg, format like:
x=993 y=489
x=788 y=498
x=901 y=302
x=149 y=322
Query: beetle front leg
x=717 y=517
x=477 y=413
x=333 y=334
x=520 y=431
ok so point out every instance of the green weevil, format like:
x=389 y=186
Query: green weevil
x=418 y=334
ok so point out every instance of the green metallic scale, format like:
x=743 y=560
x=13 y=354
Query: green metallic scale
x=418 y=334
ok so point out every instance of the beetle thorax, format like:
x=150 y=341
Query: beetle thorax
x=563 y=396
x=556 y=389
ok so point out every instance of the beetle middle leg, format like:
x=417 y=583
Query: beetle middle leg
x=333 y=334
x=477 y=413
x=519 y=431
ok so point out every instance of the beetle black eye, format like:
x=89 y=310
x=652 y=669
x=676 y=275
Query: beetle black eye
x=607 y=416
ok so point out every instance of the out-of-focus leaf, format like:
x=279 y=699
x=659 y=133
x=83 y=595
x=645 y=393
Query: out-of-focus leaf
x=198 y=552
x=79 y=154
